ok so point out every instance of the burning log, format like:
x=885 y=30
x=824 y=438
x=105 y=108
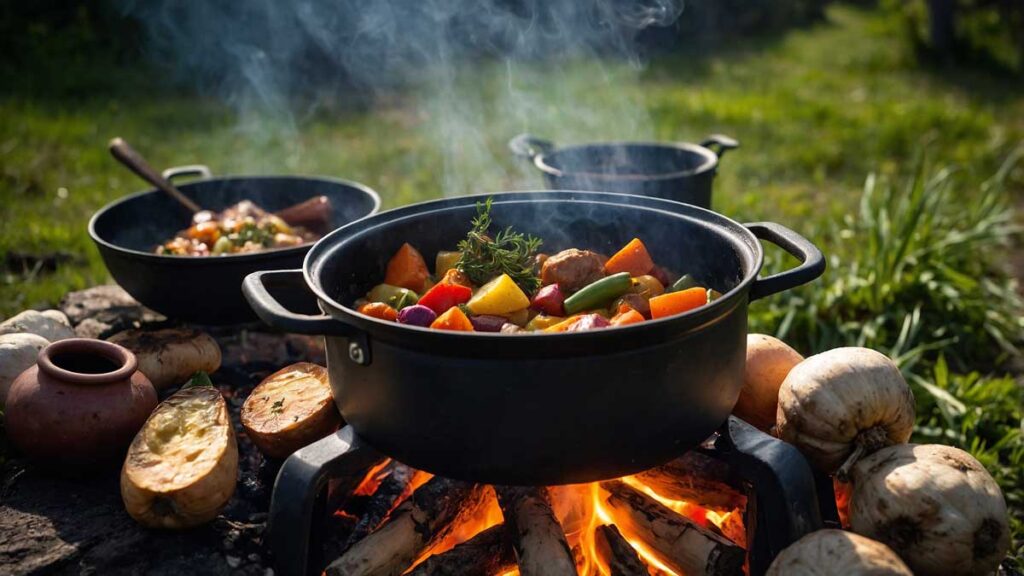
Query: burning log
x=540 y=544
x=485 y=554
x=423 y=518
x=392 y=487
x=698 y=479
x=677 y=541
x=617 y=554
x=340 y=490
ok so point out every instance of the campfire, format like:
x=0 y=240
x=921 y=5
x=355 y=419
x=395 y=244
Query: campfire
x=685 y=518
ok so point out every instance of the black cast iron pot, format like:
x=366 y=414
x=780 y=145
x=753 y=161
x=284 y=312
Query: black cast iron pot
x=207 y=290
x=676 y=171
x=533 y=408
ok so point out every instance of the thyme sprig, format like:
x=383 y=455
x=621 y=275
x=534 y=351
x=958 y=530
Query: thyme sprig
x=508 y=252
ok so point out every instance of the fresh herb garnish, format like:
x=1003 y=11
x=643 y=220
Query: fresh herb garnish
x=508 y=252
x=277 y=407
x=198 y=379
x=252 y=232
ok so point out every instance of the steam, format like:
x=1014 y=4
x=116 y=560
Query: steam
x=279 y=61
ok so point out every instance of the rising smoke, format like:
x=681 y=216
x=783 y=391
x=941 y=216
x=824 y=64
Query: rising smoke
x=275 y=60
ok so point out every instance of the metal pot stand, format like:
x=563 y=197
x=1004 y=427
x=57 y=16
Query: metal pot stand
x=786 y=500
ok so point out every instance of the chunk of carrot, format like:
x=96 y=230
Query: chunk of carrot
x=453 y=319
x=678 y=302
x=633 y=258
x=627 y=317
x=564 y=324
x=407 y=269
x=379 y=310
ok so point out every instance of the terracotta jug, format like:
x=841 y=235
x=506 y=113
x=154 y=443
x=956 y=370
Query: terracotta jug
x=80 y=406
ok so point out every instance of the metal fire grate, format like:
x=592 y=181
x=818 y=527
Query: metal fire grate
x=785 y=499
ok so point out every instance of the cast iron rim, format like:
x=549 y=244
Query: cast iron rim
x=709 y=164
x=698 y=318
x=204 y=260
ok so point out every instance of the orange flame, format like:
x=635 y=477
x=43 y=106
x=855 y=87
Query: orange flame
x=580 y=509
x=372 y=480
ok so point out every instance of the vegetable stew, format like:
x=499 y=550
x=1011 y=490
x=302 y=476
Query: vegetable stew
x=239 y=229
x=502 y=282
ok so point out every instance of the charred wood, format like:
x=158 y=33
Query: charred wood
x=680 y=543
x=397 y=480
x=488 y=553
x=698 y=479
x=539 y=542
x=340 y=491
x=617 y=554
x=425 y=517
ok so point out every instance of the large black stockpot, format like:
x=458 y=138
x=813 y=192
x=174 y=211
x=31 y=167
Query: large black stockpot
x=538 y=408
x=676 y=171
x=207 y=290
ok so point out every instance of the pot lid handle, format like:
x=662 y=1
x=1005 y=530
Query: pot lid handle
x=200 y=170
x=812 y=261
x=720 y=144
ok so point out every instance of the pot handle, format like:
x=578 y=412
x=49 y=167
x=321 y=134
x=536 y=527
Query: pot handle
x=812 y=262
x=720 y=144
x=528 y=147
x=271 y=311
x=200 y=170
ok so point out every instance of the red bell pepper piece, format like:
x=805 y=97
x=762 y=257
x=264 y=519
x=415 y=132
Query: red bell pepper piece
x=443 y=296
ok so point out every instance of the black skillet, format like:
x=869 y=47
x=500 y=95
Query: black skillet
x=207 y=290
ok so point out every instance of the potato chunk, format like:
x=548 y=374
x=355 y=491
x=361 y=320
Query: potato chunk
x=291 y=408
x=182 y=466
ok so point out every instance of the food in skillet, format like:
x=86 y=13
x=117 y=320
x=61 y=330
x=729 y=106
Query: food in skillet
x=239 y=229
x=502 y=283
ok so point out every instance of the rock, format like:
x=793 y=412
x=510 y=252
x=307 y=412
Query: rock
x=101 y=311
x=87 y=303
x=169 y=357
x=92 y=328
x=50 y=324
x=18 y=353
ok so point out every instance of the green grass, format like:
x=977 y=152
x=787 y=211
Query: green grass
x=914 y=273
x=816 y=110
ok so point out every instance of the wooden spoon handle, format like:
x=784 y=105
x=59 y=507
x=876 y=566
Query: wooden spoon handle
x=134 y=161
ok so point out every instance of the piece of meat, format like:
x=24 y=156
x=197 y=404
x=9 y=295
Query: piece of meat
x=538 y=261
x=572 y=269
